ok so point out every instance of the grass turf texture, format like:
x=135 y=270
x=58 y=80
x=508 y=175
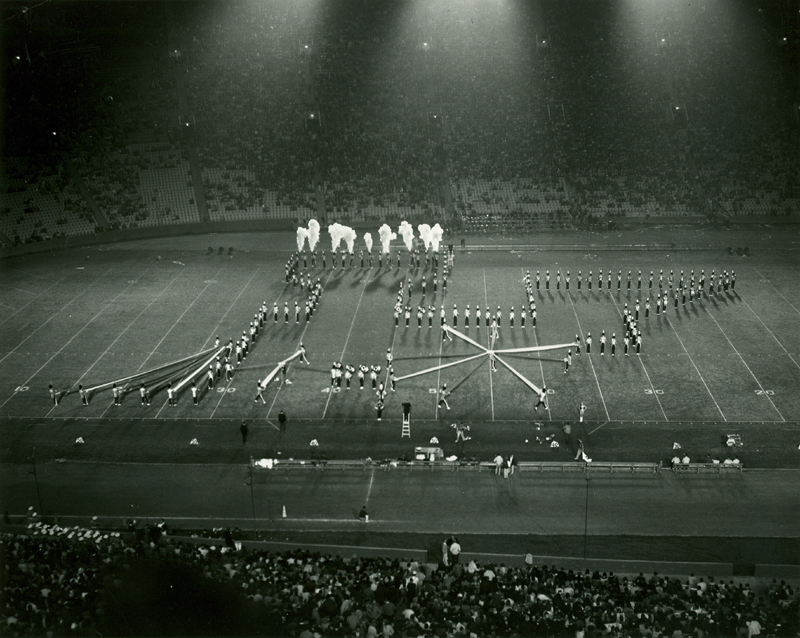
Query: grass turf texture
x=724 y=364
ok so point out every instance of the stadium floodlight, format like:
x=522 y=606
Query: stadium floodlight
x=313 y=120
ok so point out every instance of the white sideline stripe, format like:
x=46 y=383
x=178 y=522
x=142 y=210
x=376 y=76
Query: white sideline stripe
x=778 y=291
x=68 y=342
x=745 y=363
x=126 y=328
x=491 y=384
x=773 y=336
x=652 y=387
x=369 y=489
x=349 y=332
x=594 y=372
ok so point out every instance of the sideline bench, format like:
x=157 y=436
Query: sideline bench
x=579 y=466
x=699 y=468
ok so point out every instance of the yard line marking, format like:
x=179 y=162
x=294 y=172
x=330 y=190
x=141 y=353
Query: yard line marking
x=61 y=349
x=491 y=385
x=696 y=369
x=598 y=427
x=349 y=332
x=215 y=331
x=126 y=329
x=302 y=334
x=7 y=306
x=31 y=274
x=53 y=316
x=541 y=367
x=745 y=363
x=605 y=408
x=369 y=489
x=18 y=289
x=214 y=276
x=652 y=387
x=773 y=336
x=36 y=297
x=778 y=291
x=228 y=383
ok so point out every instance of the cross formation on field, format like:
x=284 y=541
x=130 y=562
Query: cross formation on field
x=492 y=355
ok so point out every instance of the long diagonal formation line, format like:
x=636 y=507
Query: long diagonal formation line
x=652 y=387
x=526 y=381
x=442 y=366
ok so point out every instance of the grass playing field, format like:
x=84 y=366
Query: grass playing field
x=725 y=364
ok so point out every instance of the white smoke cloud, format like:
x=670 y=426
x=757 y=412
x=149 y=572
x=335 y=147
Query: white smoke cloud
x=349 y=236
x=336 y=231
x=313 y=234
x=436 y=237
x=407 y=232
x=425 y=235
x=386 y=236
x=302 y=235
x=368 y=241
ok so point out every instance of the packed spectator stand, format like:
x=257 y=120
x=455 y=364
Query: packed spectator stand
x=495 y=121
x=76 y=581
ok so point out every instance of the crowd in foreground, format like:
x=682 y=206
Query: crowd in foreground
x=70 y=581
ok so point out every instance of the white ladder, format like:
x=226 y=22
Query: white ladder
x=406 y=427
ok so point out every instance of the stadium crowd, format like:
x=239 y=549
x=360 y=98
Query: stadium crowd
x=75 y=582
x=286 y=105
